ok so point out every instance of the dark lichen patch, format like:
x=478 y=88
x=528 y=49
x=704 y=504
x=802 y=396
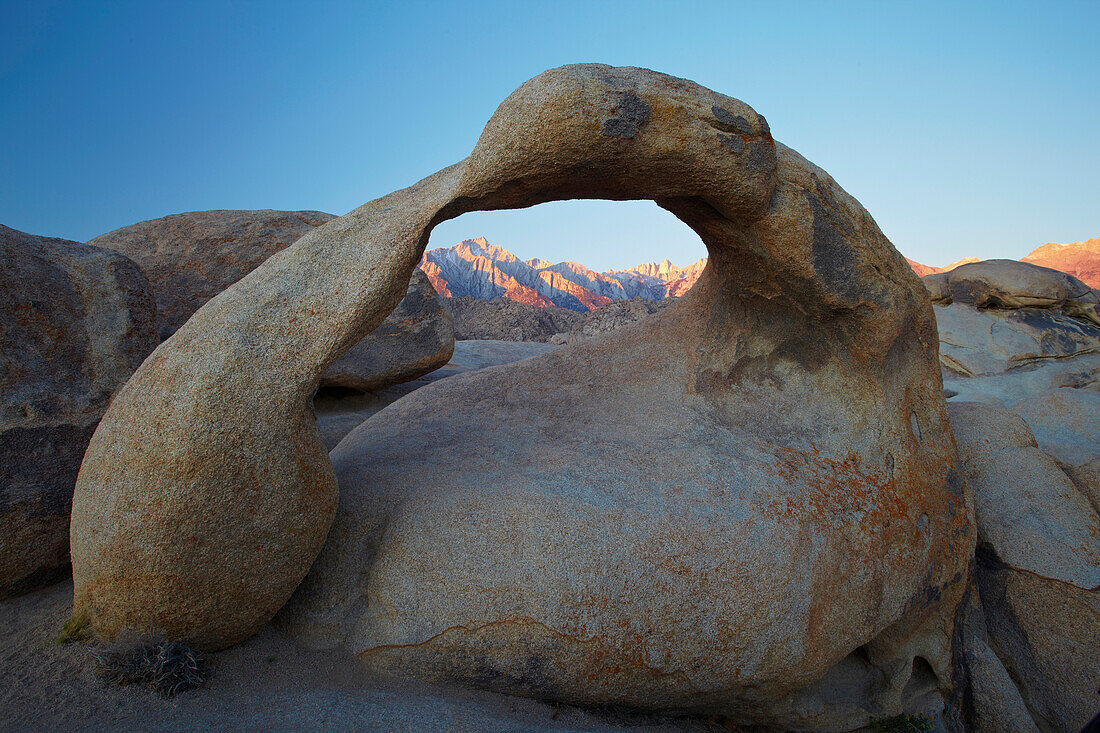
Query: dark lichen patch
x=761 y=156
x=727 y=121
x=488 y=675
x=732 y=142
x=631 y=114
x=833 y=258
x=765 y=128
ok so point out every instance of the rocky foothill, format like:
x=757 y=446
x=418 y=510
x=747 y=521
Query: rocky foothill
x=792 y=487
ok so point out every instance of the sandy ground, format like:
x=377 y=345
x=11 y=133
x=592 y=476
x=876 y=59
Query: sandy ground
x=265 y=684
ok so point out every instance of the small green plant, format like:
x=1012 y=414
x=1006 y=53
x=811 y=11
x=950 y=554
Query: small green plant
x=904 y=724
x=165 y=667
x=77 y=628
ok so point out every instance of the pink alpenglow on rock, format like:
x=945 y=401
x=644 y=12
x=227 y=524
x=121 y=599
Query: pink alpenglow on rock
x=745 y=505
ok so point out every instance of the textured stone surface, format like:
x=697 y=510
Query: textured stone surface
x=977 y=342
x=505 y=320
x=189 y=258
x=995 y=705
x=1087 y=479
x=1038 y=573
x=1011 y=284
x=610 y=317
x=1045 y=633
x=1066 y=423
x=656 y=521
x=75 y=321
x=1027 y=509
x=417 y=338
x=340 y=411
x=1008 y=388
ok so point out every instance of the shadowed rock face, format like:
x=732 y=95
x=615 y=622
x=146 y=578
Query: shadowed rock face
x=1032 y=645
x=746 y=504
x=414 y=340
x=75 y=321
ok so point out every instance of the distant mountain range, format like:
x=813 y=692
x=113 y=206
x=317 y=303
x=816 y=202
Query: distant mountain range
x=475 y=268
x=1080 y=259
x=923 y=270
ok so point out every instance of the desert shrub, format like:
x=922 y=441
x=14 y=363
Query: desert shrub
x=165 y=667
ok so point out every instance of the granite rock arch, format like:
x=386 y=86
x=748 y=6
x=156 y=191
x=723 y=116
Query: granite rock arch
x=806 y=356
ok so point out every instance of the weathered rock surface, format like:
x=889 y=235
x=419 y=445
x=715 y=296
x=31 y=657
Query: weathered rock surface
x=1043 y=375
x=982 y=342
x=192 y=257
x=1028 y=510
x=75 y=322
x=1038 y=576
x=998 y=315
x=189 y=258
x=500 y=319
x=1044 y=632
x=1066 y=423
x=610 y=317
x=996 y=705
x=341 y=411
x=417 y=338
x=1087 y=479
x=656 y=521
x=1011 y=284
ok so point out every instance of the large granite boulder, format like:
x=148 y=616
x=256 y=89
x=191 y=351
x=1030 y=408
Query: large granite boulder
x=189 y=258
x=414 y=340
x=999 y=315
x=745 y=505
x=75 y=322
x=1012 y=284
x=1038 y=578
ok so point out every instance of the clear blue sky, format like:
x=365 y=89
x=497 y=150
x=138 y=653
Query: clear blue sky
x=964 y=128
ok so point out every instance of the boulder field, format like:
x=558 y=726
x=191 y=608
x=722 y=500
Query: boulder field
x=745 y=506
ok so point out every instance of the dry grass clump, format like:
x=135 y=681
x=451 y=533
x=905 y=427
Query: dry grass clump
x=165 y=667
x=77 y=628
